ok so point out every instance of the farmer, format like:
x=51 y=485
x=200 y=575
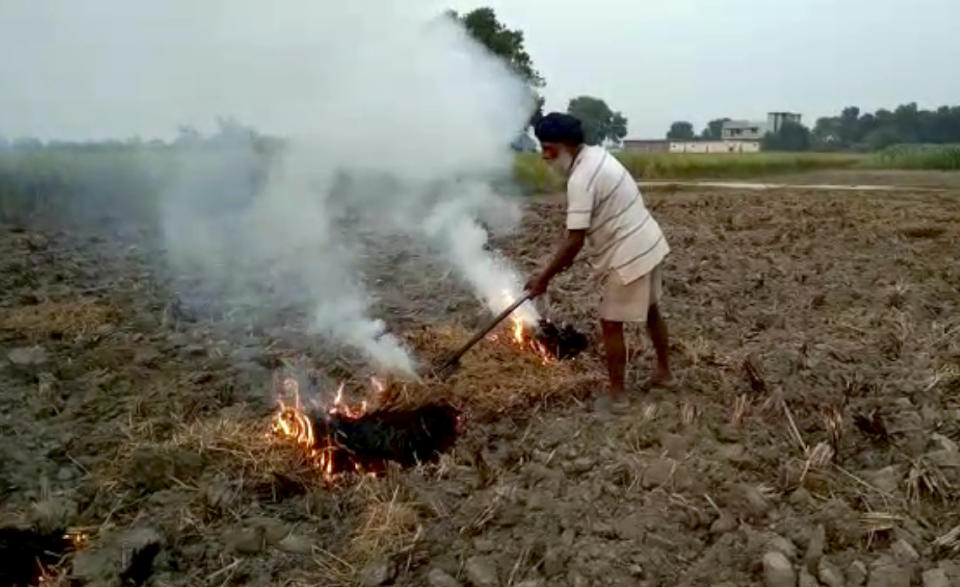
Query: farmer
x=606 y=212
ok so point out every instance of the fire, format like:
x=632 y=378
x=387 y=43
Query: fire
x=524 y=339
x=292 y=422
x=517 y=329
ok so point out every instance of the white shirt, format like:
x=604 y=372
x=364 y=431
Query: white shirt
x=603 y=199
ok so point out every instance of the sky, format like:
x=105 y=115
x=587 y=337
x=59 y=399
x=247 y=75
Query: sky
x=659 y=61
x=655 y=61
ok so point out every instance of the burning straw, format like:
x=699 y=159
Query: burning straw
x=498 y=375
x=344 y=438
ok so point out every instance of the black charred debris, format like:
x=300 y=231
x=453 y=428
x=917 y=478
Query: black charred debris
x=407 y=437
x=563 y=341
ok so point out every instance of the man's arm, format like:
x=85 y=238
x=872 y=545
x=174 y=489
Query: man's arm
x=562 y=259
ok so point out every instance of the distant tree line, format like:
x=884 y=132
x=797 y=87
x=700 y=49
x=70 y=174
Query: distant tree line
x=228 y=131
x=870 y=132
x=851 y=130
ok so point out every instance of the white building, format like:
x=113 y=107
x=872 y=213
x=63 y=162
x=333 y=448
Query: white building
x=690 y=146
x=739 y=130
x=737 y=136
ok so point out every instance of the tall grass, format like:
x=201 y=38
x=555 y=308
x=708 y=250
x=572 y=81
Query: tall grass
x=653 y=166
x=101 y=183
x=533 y=175
x=531 y=172
x=74 y=182
x=932 y=157
x=108 y=180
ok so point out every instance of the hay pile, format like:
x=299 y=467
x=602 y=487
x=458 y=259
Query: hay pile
x=496 y=376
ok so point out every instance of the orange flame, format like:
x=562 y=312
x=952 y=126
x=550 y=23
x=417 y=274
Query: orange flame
x=527 y=341
x=293 y=423
x=517 y=329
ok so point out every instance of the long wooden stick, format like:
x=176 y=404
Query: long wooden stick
x=483 y=332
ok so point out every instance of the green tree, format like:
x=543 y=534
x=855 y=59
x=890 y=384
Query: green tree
x=508 y=44
x=850 y=125
x=482 y=24
x=600 y=123
x=883 y=137
x=714 y=129
x=854 y=129
x=790 y=137
x=681 y=130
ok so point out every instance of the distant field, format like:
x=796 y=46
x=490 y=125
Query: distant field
x=533 y=173
x=37 y=181
x=930 y=157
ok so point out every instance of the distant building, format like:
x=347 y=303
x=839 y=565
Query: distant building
x=691 y=146
x=737 y=136
x=747 y=130
x=776 y=120
x=646 y=145
x=743 y=130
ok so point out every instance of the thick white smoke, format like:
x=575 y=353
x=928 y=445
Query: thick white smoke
x=365 y=89
x=453 y=225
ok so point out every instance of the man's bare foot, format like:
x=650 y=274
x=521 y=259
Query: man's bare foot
x=662 y=378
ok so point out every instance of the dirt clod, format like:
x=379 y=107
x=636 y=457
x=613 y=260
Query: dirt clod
x=887 y=479
x=800 y=497
x=818 y=539
x=295 y=544
x=28 y=356
x=903 y=551
x=245 y=540
x=841 y=522
x=829 y=574
x=379 y=572
x=777 y=571
x=935 y=578
x=885 y=572
x=554 y=561
x=580 y=465
x=439 y=578
x=482 y=571
x=724 y=523
x=805 y=579
x=783 y=546
x=856 y=573
x=749 y=500
x=659 y=472
x=630 y=528
x=219 y=496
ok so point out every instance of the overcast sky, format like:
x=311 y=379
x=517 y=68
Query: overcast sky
x=658 y=61
x=96 y=68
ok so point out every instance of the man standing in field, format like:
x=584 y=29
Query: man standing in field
x=605 y=211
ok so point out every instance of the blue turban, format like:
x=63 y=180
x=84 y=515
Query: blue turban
x=558 y=127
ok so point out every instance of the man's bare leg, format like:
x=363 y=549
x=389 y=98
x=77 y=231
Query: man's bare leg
x=657 y=328
x=616 y=356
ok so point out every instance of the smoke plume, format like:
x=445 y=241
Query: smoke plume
x=397 y=104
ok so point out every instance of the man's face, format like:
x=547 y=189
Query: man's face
x=558 y=156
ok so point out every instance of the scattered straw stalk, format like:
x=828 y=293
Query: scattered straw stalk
x=68 y=318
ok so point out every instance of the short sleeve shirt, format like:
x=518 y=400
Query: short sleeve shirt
x=604 y=200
